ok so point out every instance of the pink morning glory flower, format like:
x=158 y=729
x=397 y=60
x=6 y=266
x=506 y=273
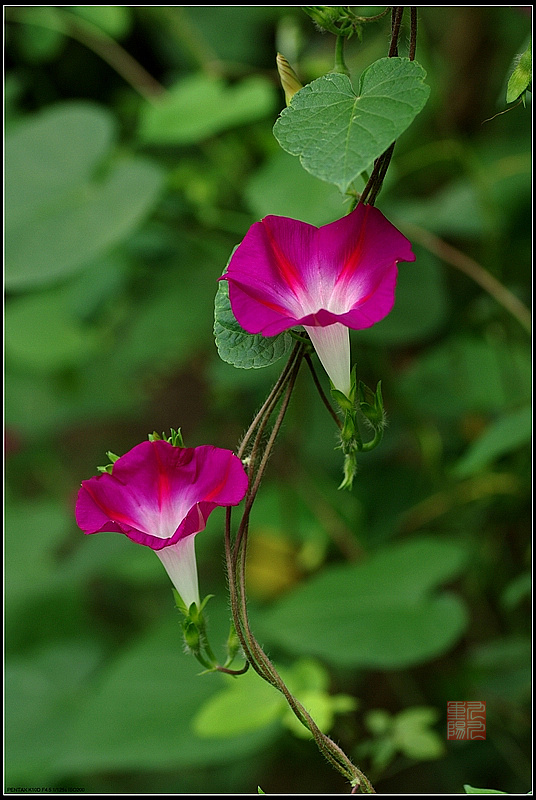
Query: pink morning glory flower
x=160 y=495
x=328 y=279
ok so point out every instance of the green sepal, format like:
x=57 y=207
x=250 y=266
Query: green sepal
x=192 y=636
x=108 y=468
x=350 y=438
x=371 y=405
x=175 y=437
x=345 y=403
x=196 y=613
x=326 y=17
x=179 y=602
x=194 y=631
x=233 y=644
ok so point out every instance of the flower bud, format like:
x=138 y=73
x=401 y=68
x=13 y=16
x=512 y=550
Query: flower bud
x=192 y=637
x=521 y=77
x=371 y=405
x=335 y=19
x=233 y=644
x=289 y=79
x=324 y=16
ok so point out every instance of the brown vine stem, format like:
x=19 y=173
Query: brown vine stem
x=396 y=21
x=374 y=183
x=272 y=397
x=413 y=33
x=235 y=554
x=255 y=479
x=451 y=255
x=258 y=427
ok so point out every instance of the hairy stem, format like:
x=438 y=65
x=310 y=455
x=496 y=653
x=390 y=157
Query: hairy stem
x=396 y=21
x=375 y=182
x=235 y=553
x=413 y=33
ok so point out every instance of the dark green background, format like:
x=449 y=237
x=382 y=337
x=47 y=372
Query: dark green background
x=122 y=209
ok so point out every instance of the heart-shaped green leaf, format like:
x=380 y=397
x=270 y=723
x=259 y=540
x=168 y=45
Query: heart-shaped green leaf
x=337 y=133
x=67 y=201
x=218 y=107
x=241 y=349
x=382 y=613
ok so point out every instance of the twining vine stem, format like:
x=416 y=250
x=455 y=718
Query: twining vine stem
x=374 y=183
x=256 y=454
x=235 y=553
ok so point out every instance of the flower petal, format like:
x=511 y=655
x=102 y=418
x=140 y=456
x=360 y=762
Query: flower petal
x=266 y=288
x=158 y=493
x=367 y=247
x=332 y=345
x=180 y=564
x=287 y=273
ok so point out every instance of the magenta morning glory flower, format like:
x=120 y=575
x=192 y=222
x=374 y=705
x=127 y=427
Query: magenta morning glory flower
x=329 y=279
x=160 y=495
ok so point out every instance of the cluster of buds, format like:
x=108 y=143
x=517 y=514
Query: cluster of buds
x=361 y=402
x=340 y=20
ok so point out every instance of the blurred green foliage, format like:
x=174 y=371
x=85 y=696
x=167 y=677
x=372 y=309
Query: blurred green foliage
x=139 y=149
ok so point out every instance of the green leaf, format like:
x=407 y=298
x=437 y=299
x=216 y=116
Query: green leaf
x=521 y=77
x=40 y=37
x=504 y=435
x=60 y=213
x=382 y=613
x=408 y=732
x=455 y=209
x=517 y=590
x=322 y=707
x=337 y=133
x=413 y=735
x=43 y=334
x=218 y=107
x=51 y=154
x=471 y=790
x=283 y=188
x=34 y=532
x=501 y=668
x=464 y=374
x=241 y=349
x=35 y=576
x=138 y=713
x=248 y=704
x=40 y=705
x=113 y=20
